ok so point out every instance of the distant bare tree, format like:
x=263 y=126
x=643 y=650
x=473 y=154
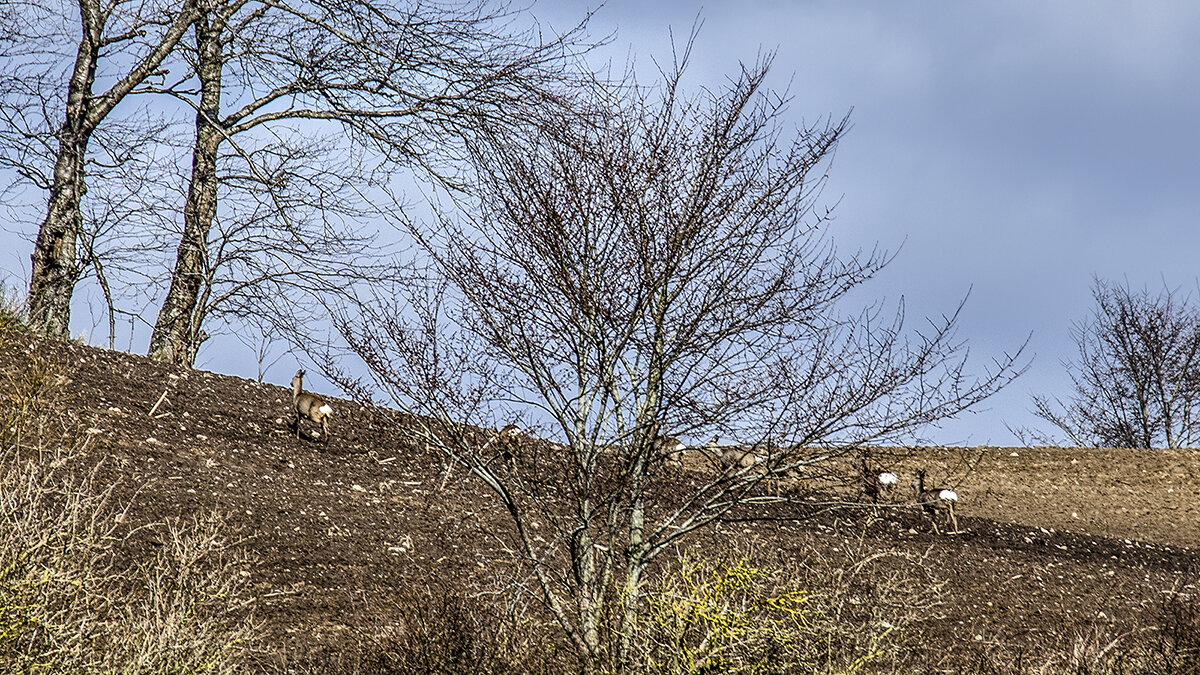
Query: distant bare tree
x=49 y=117
x=1136 y=383
x=408 y=78
x=662 y=269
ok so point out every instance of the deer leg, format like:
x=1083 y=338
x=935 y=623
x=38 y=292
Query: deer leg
x=933 y=518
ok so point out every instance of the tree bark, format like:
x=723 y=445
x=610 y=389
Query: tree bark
x=177 y=332
x=633 y=583
x=55 y=269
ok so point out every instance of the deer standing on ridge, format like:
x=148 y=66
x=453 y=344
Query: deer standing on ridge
x=309 y=405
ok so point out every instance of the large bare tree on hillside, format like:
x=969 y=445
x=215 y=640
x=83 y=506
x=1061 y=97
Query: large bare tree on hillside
x=664 y=269
x=408 y=79
x=1136 y=383
x=49 y=119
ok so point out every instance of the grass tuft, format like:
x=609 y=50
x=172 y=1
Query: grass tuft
x=13 y=317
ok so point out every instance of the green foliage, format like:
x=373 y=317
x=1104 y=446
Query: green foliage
x=818 y=616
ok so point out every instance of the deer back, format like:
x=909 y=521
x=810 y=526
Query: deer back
x=311 y=406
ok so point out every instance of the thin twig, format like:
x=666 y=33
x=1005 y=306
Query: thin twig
x=159 y=402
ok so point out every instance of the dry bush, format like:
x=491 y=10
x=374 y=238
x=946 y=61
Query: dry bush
x=67 y=605
x=456 y=633
x=444 y=630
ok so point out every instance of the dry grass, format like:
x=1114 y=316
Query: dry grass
x=12 y=310
x=68 y=604
x=1167 y=643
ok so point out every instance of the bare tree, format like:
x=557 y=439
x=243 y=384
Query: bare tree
x=1136 y=383
x=409 y=79
x=49 y=118
x=663 y=269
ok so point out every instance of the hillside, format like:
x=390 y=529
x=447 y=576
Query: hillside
x=1052 y=538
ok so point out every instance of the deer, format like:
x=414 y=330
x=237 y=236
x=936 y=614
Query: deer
x=309 y=405
x=729 y=458
x=735 y=458
x=509 y=441
x=671 y=449
x=876 y=485
x=931 y=500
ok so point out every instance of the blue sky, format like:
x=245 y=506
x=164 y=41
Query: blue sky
x=1014 y=149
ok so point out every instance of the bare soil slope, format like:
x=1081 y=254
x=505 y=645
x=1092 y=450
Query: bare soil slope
x=1053 y=537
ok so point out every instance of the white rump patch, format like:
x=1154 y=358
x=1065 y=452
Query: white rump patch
x=948 y=496
x=325 y=410
x=888 y=478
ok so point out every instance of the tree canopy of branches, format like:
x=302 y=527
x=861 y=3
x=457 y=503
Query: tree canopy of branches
x=1136 y=383
x=301 y=107
x=661 y=269
x=49 y=119
x=408 y=79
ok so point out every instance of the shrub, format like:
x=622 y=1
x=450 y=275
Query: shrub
x=67 y=605
x=443 y=629
x=728 y=617
x=820 y=615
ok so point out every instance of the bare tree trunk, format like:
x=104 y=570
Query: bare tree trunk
x=55 y=269
x=584 y=557
x=55 y=266
x=177 y=331
x=633 y=584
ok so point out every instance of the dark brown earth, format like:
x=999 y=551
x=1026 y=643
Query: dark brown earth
x=1052 y=537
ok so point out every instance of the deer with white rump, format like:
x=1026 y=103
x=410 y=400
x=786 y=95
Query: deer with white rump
x=935 y=499
x=876 y=485
x=309 y=405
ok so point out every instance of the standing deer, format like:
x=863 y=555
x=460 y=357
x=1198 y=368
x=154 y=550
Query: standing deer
x=876 y=485
x=309 y=405
x=932 y=500
x=671 y=449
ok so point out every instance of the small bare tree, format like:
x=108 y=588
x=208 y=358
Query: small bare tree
x=661 y=269
x=1136 y=383
x=49 y=118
